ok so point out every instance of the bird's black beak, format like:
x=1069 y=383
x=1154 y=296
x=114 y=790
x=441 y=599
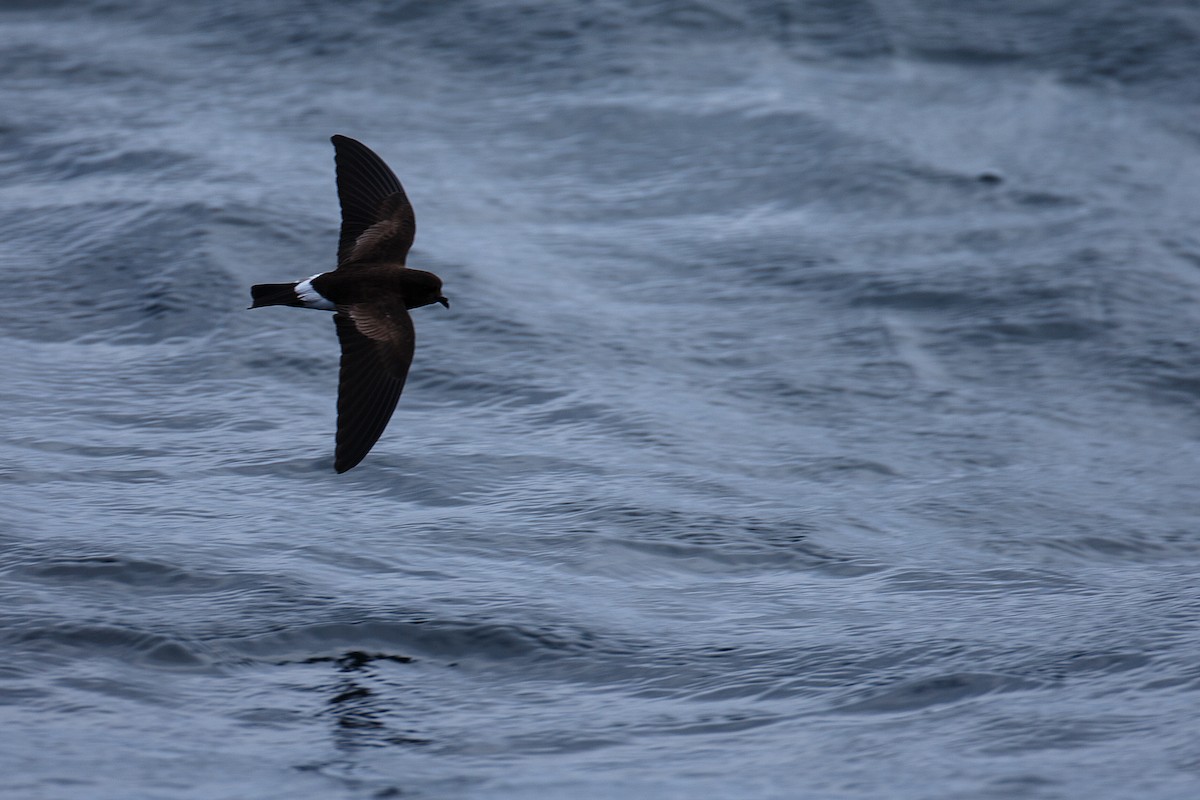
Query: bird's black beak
x=444 y=301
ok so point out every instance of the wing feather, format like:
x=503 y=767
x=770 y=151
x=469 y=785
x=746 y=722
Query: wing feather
x=378 y=223
x=377 y=343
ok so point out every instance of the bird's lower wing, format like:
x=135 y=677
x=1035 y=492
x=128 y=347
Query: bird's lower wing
x=377 y=348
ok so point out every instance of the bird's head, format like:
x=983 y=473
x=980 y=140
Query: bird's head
x=424 y=288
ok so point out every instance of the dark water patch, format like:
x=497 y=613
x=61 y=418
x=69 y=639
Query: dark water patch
x=724 y=556
x=360 y=564
x=916 y=299
x=1027 y=521
x=1167 y=370
x=162 y=419
x=725 y=542
x=1038 y=200
x=1081 y=665
x=1062 y=328
x=271 y=717
x=707 y=724
x=54 y=640
x=31 y=476
x=1031 y=786
x=284 y=465
x=131 y=273
x=92 y=157
x=16 y=7
x=1131 y=545
x=823 y=397
x=31 y=65
x=21 y=696
x=451 y=642
x=833 y=469
x=691 y=16
x=564 y=742
x=139 y=574
x=799 y=270
x=1030 y=290
x=916 y=695
x=1006 y=582
x=1185 y=248
x=575 y=414
x=826 y=29
x=747 y=676
x=89 y=450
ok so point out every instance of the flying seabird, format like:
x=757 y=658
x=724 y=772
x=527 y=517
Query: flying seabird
x=370 y=292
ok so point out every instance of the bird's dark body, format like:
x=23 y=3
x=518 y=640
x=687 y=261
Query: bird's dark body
x=370 y=293
x=367 y=283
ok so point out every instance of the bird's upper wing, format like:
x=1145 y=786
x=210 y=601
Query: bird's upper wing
x=377 y=219
x=377 y=348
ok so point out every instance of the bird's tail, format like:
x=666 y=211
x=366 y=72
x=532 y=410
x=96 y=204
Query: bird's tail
x=275 y=294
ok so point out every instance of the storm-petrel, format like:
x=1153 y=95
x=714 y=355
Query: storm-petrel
x=370 y=293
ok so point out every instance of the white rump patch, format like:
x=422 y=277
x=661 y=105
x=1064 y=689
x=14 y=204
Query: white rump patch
x=311 y=297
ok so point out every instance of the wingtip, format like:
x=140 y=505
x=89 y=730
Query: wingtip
x=345 y=464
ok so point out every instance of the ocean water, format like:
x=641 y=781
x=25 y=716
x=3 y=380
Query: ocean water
x=816 y=414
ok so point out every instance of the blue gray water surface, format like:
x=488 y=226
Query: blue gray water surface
x=816 y=414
